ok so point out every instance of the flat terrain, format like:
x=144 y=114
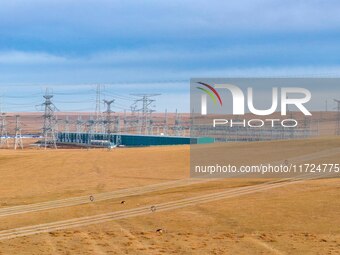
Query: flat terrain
x=299 y=218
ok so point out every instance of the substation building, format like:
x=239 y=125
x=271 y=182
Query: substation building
x=128 y=140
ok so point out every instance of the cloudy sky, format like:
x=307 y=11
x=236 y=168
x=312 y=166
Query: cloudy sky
x=162 y=43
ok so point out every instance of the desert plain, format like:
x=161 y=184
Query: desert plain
x=143 y=201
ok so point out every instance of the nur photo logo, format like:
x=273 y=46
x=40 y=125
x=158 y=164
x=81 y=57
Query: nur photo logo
x=212 y=95
x=239 y=99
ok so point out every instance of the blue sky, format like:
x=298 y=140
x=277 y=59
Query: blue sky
x=158 y=46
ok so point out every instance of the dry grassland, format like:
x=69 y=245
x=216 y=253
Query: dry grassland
x=301 y=218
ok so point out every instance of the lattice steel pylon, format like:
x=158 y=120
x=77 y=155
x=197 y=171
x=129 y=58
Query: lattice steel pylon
x=125 y=122
x=117 y=128
x=79 y=129
x=98 y=113
x=67 y=129
x=3 y=131
x=50 y=122
x=18 y=138
x=90 y=124
x=108 y=117
x=166 y=127
x=134 y=119
x=146 y=110
x=178 y=126
x=337 y=131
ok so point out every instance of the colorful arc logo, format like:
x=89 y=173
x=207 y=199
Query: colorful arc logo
x=213 y=94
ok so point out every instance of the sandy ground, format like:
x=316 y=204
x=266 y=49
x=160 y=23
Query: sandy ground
x=301 y=218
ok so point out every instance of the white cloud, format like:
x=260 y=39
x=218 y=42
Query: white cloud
x=20 y=57
x=165 y=54
x=124 y=19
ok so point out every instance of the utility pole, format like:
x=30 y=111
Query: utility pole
x=337 y=131
x=18 y=138
x=50 y=121
x=146 y=110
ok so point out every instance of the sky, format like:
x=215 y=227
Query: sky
x=152 y=46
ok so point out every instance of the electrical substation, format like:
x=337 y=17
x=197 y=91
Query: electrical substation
x=110 y=125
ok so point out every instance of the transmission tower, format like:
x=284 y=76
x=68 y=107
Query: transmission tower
x=50 y=121
x=337 y=131
x=125 y=122
x=178 y=124
x=135 y=123
x=98 y=113
x=192 y=122
x=109 y=116
x=18 y=138
x=79 y=129
x=165 y=127
x=90 y=129
x=3 y=130
x=67 y=129
x=146 y=110
x=117 y=128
